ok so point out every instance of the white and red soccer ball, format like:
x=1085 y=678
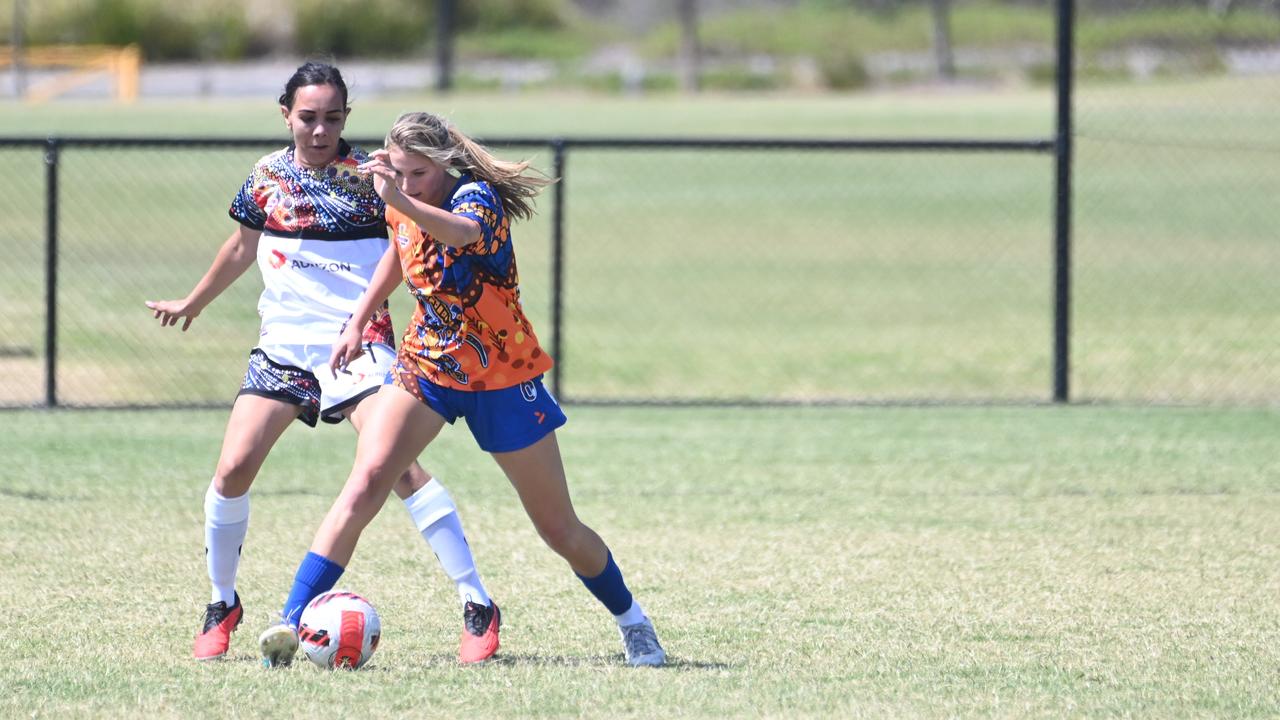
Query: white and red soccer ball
x=339 y=629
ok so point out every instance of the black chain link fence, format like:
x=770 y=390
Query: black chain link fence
x=730 y=271
x=132 y=223
x=1177 y=207
x=818 y=274
x=691 y=272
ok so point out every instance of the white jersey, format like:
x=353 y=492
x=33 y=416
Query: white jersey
x=312 y=286
x=323 y=234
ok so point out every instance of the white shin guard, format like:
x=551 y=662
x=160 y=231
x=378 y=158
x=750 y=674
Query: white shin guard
x=436 y=517
x=226 y=523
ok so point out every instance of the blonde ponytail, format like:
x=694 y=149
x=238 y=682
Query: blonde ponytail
x=434 y=137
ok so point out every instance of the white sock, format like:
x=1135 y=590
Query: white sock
x=226 y=522
x=436 y=517
x=632 y=616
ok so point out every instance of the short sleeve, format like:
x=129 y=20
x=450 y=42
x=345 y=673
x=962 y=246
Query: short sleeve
x=246 y=206
x=478 y=201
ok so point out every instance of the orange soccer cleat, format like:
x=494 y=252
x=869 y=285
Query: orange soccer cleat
x=219 y=622
x=479 y=632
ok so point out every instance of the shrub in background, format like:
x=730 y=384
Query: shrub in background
x=396 y=28
x=505 y=14
x=163 y=33
x=842 y=68
x=738 y=78
x=357 y=28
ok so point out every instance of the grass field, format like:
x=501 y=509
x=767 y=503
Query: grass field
x=973 y=560
x=727 y=274
x=856 y=562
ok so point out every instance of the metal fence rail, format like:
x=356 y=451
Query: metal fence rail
x=800 y=153
x=1128 y=256
x=792 y=324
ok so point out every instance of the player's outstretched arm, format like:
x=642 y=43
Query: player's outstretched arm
x=235 y=256
x=386 y=276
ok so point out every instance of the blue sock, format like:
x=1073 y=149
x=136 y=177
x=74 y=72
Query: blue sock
x=316 y=574
x=609 y=588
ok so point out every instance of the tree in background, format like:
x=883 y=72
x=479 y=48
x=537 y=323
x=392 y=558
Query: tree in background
x=19 y=37
x=942 y=39
x=690 y=59
x=444 y=44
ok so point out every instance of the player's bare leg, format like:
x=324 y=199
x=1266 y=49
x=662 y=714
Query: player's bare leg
x=253 y=428
x=537 y=473
x=255 y=424
x=395 y=430
x=435 y=516
x=413 y=479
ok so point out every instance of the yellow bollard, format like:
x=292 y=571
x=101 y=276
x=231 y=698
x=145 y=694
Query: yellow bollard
x=128 y=72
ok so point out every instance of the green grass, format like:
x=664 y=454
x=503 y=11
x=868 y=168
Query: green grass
x=727 y=274
x=857 y=562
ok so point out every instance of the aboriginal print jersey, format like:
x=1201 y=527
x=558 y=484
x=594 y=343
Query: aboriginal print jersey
x=322 y=237
x=469 y=331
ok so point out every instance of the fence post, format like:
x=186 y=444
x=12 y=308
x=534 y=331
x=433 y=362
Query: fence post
x=1062 y=208
x=557 y=266
x=445 y=12
x=52 y=146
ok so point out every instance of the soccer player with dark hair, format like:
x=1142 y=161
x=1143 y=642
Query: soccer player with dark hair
x=314 y=224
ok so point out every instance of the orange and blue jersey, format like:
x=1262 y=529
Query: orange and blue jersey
x=469 y=331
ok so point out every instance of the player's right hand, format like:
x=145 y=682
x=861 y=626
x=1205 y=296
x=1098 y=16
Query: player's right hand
x=384 y=176
x=346 y=349
x=168 y=312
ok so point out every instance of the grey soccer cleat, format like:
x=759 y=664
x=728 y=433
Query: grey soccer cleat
x=279 y=643
x=640 y=642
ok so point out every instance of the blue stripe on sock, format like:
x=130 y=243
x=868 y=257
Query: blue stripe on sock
x=316 y=574
x=609 y=588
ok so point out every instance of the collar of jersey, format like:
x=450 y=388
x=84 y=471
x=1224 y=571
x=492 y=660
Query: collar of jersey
x=344 y=149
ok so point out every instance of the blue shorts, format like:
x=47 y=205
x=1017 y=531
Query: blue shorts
x=500 y=420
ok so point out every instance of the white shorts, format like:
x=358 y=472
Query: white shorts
x=299 y=374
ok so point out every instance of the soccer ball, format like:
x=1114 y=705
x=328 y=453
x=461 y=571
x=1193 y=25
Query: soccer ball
x=339 y=629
